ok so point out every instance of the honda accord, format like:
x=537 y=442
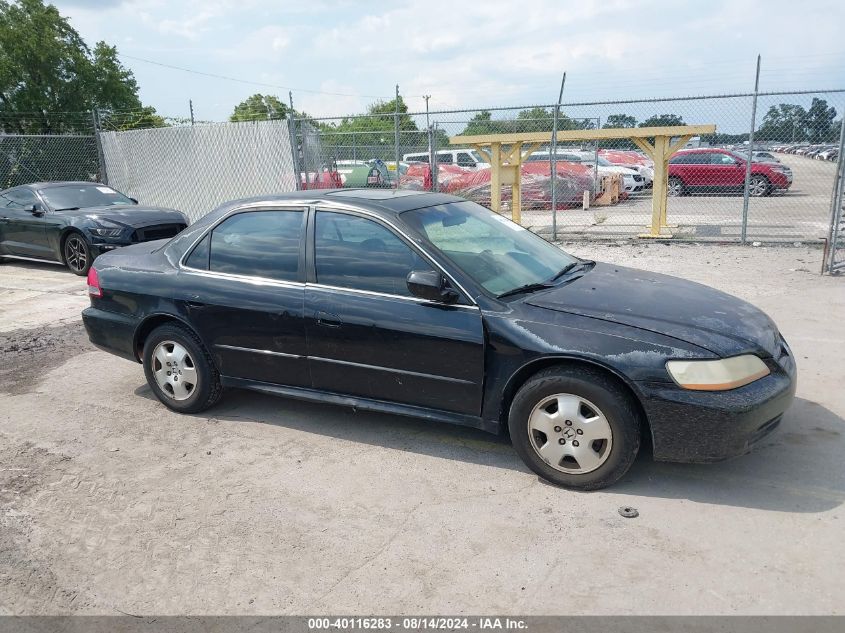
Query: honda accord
x=427 y=305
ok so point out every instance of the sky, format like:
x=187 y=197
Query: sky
x=338 y=57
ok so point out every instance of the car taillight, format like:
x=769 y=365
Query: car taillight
x=94 y=283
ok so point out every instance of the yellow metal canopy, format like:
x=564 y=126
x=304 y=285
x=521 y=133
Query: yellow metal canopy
x=505 y=163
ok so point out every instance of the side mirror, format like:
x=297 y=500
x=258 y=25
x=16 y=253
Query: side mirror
x=431 y=285
x=134 y=201
x=36 y=210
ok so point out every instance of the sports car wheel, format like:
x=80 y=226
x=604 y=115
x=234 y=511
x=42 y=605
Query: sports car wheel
x=77 y=254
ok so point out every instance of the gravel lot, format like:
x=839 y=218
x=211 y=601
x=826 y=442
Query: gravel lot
x=109 y=503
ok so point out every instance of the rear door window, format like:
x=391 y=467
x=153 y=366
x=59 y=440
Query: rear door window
x=257 y=244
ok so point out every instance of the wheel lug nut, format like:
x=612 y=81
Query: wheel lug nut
x=561 y=441
x=579 y=431
x=557 y=429
x=574 y=442
x=568 y=423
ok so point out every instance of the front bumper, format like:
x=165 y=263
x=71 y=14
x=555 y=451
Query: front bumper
x=708 y=426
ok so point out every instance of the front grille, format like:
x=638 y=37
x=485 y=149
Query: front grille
x=638 y=178
x=157 y=232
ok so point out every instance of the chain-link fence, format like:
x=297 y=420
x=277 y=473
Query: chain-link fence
x=586 y=189
x=195 y=168
x=715 y=193
x=26 y=158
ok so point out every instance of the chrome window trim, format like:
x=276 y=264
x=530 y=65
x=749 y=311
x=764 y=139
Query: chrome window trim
x=258 y=351
x=255 y=280
x=387 y=295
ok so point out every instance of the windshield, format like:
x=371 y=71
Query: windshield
x=82 y=196
x=496 y=253
x=603 y=162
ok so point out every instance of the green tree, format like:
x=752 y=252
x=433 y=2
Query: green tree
x=620 y=120
x=658 y=120
x=820 y=119
x=783 y=122
x=50 y=79
x=260 y=107
x=530 y=120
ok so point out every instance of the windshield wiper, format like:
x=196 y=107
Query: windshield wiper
x=526 y=288
x=68 y=209
x=570 y=267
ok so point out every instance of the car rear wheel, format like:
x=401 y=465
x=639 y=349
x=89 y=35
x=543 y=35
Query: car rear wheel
x=575 y=427
x=179 y=370
x=676 y=187
x=759 y=186
x=77 y=254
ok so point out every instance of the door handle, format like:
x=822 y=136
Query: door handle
x=327 y=319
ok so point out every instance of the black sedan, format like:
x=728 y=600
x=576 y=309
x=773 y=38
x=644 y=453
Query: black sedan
x=73 y=222
x=428 y=305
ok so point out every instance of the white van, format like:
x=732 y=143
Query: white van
x=462 y=157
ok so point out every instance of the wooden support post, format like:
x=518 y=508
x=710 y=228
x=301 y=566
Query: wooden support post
x=496 y=177
x=516 y=187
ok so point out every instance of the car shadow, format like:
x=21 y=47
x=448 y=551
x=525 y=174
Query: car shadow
x=796 y=469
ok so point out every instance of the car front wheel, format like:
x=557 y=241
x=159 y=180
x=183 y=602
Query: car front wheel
x=179 y=370
x=575 y=427
x=77 y=254
x=759 y=186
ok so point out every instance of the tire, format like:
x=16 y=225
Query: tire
x=192 y=383
x=76 y=253
x=759 y=186
x=676 y=187
x=578 y=466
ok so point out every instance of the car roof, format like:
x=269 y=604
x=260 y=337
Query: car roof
x=383 y=201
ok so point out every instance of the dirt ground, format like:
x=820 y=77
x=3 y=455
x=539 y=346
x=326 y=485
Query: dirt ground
x=109 y=503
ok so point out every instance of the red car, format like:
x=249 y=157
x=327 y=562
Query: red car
x=709 y=170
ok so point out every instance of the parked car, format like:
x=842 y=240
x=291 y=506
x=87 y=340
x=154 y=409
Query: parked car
x=427 y=305
x=631 y=160
x=72 y=223
x=764 y=157
x=632 y=181
x=713 y=170
x=463 y=157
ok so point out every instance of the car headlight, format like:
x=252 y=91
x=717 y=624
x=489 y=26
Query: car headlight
x=103 y=232
x=717 y=375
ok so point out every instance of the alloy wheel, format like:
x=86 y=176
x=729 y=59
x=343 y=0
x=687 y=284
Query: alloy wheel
x=570 y=433
x=758 y=186
x=174 y=370
x=76 y=253
x=675 y=187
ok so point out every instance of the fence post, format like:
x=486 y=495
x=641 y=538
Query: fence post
x=396 y=137
x=836 y=214
x=553 y=165
x=430 y=141
x=297 y=177
x=746 y=192
x=101 y=157
x=432 y=158
x=191 y=106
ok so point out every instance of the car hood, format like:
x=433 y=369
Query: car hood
x=129 y=215
x=684 y=310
